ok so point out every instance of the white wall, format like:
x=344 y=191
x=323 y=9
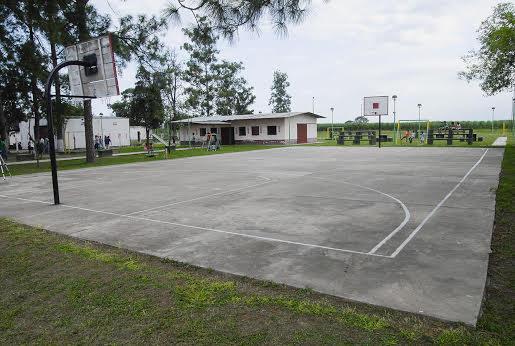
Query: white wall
x=263 y=136
x=133 y=131
x=286 y=129
x=311 y=122
x=74 y=137
x=116 y=128
x=193 y=131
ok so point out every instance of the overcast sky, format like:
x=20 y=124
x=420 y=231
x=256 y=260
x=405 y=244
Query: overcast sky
x=347 y=49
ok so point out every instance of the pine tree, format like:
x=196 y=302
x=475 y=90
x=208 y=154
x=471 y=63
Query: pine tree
x=233 y=95
x=200 y=68
x=279 y=99
x=228 y=16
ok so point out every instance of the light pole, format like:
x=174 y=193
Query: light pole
x=493 y=112
x=332 y=122
x=419 y=106
x=101 y=129
x=313 y=104
x=394 y=97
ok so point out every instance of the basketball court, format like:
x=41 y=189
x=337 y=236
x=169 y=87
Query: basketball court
x=405 y=228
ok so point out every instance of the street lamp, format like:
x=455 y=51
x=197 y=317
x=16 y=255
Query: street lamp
x=394 y=97
x=493 y=112
x=101 y=127
x=332 y=122
x=419 y=106
x=313 y=104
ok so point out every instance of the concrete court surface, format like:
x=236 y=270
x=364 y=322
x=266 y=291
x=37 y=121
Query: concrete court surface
x=406 y=228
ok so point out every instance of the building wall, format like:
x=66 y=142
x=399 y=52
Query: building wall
x=133 y=133
x=263 y=136
x=291 y=126
x=286 y=130
x=116 y=128
x=74 y=136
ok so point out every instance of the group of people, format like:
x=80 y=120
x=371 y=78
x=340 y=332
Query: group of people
x=453 y=126
x=102 y=144
x=42 y=147
x=409 y=136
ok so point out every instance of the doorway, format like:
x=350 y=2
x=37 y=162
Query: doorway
x=302 y=133
x=227 y=134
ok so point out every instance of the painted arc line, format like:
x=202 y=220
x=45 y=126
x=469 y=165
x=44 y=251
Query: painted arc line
x=228 y=192
x=200 y=228
x=428 y=216
x=407 y=214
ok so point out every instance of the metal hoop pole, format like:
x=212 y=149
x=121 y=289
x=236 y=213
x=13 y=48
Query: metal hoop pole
x=50 y=121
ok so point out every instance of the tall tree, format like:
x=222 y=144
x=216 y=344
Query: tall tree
x=170 y=80
x=233 y=95
x=494 y=63
x=21 y=64
x=200 y=68
x=280 y=100
x=143 y=105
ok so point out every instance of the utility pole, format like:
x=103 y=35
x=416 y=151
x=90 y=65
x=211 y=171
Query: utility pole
x=394 y=97
x=419 y=106
x=493 y=113
x=332 y=122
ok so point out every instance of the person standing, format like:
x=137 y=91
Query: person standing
x=3 y=151
x=46 y=147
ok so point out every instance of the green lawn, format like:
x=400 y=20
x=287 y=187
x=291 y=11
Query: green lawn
x=488 y=138
x=55 y=289
x=117 y=160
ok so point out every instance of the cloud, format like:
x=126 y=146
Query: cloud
x=345 y=50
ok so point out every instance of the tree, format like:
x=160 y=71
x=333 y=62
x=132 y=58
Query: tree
x=228 y=16
x=170 y=80
x=17 y=91
x=361 y=120
x=233 y=95
x=199 y=72
x=279 y=99
x=143 y=105
x=494 y=63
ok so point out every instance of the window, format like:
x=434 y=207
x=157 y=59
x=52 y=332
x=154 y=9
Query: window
x=213 y=130
x=242 y=131
x=202 y=131
x=271 y=130
x=255 y=130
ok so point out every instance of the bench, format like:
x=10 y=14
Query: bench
x=358 y=136
x=105 y=152
x=25 y=157
x=451 y=135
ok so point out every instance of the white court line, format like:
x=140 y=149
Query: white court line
x=268 y=180
x=201 y=228
x=407 y=214
x=419 y=227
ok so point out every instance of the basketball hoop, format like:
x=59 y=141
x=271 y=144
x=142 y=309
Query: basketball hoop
x=376 y=106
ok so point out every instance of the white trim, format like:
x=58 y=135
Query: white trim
x=419 y=227
x=198 y=227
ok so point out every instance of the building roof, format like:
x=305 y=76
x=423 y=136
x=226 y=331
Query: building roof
x=224 y=119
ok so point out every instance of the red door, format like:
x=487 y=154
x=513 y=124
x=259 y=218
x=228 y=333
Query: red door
x=302 y=133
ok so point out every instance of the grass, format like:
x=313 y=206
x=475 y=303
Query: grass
x=60 y=290
x=488 y=139
x=118 y=160
x=55 y=289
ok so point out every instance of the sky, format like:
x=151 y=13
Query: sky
x=347 y=49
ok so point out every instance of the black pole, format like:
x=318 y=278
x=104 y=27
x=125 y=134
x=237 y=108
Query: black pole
x=50 y=121
x=379 y=130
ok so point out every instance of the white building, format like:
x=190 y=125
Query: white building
x=271 y=128
x=116 y=128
